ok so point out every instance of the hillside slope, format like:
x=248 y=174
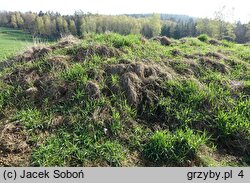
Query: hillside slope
x=111 y=100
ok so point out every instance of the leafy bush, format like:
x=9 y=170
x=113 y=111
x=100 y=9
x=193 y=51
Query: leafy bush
x=203 y=37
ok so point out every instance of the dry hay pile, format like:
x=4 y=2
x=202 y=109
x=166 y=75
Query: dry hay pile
x=14 y=146
x=66 y=42
x=163 y=40
x=33 y=53
x=81 y=53
x=36 y=84
x=141 y=81
x=39 y=51
x=214 y=65
x=215 y=42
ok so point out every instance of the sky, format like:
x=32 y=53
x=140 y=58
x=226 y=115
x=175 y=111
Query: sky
x=196 y=8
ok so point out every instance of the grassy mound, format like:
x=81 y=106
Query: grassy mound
x=112 y=100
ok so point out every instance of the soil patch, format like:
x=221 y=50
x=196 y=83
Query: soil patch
x=14 y=147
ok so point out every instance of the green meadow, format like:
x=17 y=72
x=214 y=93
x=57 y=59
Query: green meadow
x=13 y=41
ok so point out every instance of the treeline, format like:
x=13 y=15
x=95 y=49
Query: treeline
x=54 y=25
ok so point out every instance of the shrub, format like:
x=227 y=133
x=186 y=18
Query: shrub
x=203 y=37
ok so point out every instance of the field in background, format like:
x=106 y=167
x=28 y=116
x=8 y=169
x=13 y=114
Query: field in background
x=12 y=41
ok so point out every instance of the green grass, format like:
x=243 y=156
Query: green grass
x=176 y=149
x=12 y=42
x=31 y=119
x=190 y=108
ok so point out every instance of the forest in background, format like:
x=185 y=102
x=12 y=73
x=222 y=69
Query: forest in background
x=53 y=25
